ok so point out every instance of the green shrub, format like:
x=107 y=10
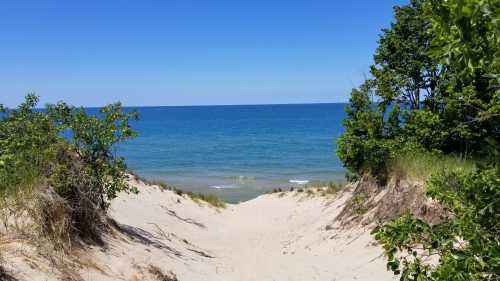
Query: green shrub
x=28 y=144
x=466 y=242
x=91 y=141
x=65 y=151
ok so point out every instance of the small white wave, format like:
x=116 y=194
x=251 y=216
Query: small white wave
x=299 y=181
x=223 y=186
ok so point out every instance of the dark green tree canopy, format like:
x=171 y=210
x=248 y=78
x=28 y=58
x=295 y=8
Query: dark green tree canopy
x=429 y=86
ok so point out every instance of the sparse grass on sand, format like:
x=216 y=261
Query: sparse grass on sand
x=160 y=275
x=314 y=188
x=323 y=188
x=421 y=165
x=208 y=198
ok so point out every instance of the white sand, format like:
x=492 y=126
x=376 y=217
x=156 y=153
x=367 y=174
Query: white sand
x=272 y=237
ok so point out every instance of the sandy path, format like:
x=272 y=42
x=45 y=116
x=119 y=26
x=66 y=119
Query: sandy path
x=269 y=238
x=273 y=237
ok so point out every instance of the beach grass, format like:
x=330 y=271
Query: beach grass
x=195 y=196
x=421 y=165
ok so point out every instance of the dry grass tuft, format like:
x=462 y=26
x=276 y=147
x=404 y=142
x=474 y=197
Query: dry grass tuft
x=160 y=275
x=372 y=202
x=46 y=221
x=51 y=226
x=310 y=192
x=65 y=223
x=4 y=276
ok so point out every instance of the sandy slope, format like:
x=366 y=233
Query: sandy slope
x=273 y=237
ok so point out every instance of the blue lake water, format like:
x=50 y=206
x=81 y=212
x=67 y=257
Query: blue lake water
x=236 y=152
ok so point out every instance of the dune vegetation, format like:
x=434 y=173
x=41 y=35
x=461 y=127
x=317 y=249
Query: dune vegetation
x=196 y=196
x=58 y=173
x=431 y=111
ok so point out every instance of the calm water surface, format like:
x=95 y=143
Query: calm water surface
x=237 y=152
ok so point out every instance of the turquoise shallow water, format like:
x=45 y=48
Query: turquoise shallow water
x=236 y=152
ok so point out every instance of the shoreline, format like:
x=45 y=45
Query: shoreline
x=234 y=193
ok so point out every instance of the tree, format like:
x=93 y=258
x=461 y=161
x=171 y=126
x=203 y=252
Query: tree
x=466 y=243
x=382 y=114
x=403 y=70
x=359 y=147
x=467 y=40
x=434 y=81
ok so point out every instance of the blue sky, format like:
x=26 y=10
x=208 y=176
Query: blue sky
x=187 y=52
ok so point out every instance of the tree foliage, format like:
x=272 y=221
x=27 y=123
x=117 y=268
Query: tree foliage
x=430 y=87
x=435 y=87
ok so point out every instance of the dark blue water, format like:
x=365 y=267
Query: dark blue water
x=237 y=152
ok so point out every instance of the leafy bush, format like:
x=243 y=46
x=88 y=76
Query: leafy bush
x=68 y=155
x=27 y=145
x=91 y=141
x=466 y=242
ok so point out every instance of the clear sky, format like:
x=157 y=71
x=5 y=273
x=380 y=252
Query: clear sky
x=187 y=52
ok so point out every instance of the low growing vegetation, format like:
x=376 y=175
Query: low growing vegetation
x=195 y=196
x=313 y=188
x=160 y=275
x=466 y=244
x=421 y=165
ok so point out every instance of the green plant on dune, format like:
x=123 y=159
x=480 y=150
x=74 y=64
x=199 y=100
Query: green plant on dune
x=209 y=198
x=91 y=141
x=27 y=142
x=195 y=196
x=421 y=164
x=64 y=155
x=466 y=243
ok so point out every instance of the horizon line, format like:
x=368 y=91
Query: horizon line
x=221 y=105
x=200 y=105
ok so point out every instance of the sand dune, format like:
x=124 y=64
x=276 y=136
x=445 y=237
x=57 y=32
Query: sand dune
x=287 y=236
